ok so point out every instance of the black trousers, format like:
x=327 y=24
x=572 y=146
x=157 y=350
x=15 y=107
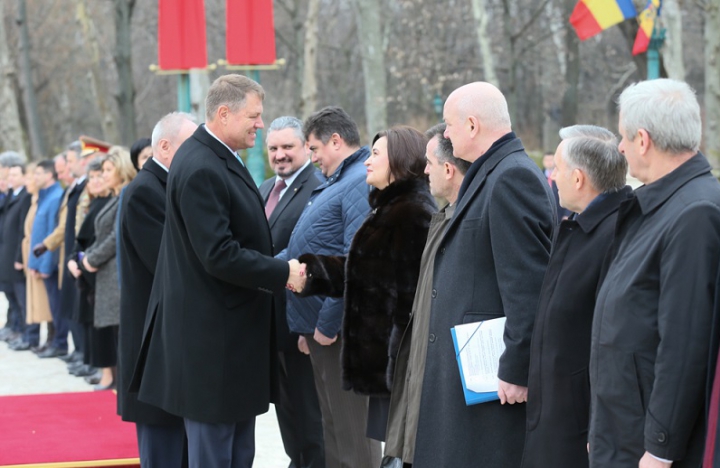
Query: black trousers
x=162 y=445
x=220 y=445
x=298 y=411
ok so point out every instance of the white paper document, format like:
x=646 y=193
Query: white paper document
x=480 y=355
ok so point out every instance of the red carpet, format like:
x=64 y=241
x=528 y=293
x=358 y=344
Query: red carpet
x=66 y=430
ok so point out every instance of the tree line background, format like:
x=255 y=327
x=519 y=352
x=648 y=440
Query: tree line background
x=72 y=67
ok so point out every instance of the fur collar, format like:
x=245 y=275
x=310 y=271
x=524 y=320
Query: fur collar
x=398 y=189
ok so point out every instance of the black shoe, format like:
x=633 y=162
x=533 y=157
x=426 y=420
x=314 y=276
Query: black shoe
x=72 y=357
x=39 y=349
x=84 y=371
x=9 y=337
x=52 y=352
x=99 y=388
x=15 y=342
x=21 y=346
x=94 y=379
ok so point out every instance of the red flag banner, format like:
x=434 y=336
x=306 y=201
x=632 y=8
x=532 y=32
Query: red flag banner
x=181 y=34
x=250 y=32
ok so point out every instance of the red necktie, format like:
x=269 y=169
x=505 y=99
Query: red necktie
x=274 y=197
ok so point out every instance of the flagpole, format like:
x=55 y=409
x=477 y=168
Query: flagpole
x=653 y=53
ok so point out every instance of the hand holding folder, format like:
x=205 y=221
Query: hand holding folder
x=478 y=347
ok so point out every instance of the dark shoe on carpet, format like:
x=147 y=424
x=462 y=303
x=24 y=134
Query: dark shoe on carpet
x=99 y=388
x=21 y=346
x=52 y=352
x=72 y=357
x=84 y=371
x=94 y=379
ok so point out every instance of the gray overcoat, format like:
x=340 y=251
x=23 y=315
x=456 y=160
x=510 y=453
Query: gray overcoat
x=490 y=264
x=101 y=255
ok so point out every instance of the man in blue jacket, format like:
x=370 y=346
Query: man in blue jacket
x=45 y=266
x=335 y=211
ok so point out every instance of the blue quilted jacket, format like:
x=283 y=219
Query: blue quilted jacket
x=46 y=220
x=336 y=209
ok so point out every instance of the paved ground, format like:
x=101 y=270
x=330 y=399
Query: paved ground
x=23 y=373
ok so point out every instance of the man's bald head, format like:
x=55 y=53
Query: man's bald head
x=479 y=114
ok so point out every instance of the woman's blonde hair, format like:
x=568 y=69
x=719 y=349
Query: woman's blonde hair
x=119 y=156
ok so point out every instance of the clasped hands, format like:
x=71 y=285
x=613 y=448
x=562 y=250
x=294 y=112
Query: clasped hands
x=296 y=278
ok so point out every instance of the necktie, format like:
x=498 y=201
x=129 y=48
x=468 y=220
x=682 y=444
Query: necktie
x=274 y=197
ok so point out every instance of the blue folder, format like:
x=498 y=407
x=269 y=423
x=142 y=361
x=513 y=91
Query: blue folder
x=471 y=398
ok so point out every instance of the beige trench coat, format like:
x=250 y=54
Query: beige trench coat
x=38 y=306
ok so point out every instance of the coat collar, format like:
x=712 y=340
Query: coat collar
x=399 y=189
x=154 y=168
x=655 y=194
x=291 y=191
x=359 y=155
x=598 y=211
x=222 y=152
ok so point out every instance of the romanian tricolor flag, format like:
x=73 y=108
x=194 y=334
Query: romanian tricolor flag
x=592 y=16
x=647 y=24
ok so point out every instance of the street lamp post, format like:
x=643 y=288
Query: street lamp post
x=438 y=105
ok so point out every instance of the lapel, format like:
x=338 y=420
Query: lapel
x=154 y=168
x=231 y=161
x=479 y=180
x=290 y=193
x=11 y=200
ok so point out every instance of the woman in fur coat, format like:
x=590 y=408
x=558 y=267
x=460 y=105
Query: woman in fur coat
x=378 y=277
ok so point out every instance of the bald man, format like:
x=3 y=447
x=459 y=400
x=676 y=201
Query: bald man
x=490 y=264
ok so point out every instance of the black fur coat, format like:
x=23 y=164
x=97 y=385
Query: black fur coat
x=377 y=279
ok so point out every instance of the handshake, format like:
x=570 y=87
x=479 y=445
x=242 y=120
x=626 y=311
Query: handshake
x=297 y=277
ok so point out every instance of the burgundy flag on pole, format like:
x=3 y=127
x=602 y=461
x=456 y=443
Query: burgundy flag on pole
x=250 y=32
x=181 y=34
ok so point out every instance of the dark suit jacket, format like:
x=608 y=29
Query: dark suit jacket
x=141 y=227
x=11 y=235
x=282 y=222
x=208 y=346
x=68 y=292
x=558 y=407
x=490 y=263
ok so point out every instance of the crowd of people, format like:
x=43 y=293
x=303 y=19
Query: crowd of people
x=331 y=289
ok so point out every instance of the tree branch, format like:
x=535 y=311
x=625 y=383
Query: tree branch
x=533 y=43
x=536 y=14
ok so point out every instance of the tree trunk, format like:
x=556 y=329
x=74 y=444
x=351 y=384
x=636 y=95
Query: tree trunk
x=10 y=125
x=123 y=63
x=712 y=82
x=510 y=90
x=480 y=13
x=308 y=100
x=672 y=51
x=98 y=89
x=373 y=64
x=34 y=124
x=572 y=71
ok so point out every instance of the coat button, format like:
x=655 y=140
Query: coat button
x=442 y=251
x=661 y=438
x=432 y=338
x=434 y=293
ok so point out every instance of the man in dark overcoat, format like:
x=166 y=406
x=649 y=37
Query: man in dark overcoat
x=161 y=436
x=490 y=263
x=285 y=196
x=208 y=351
x=589 y=172
x=651 y=329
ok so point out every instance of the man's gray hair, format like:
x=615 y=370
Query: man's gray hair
x=11 y=159
x=169 y=126
x=667 y=109
x=444 y=151
x=230 y=90
x=75 y=147
x=594 y=150
x=287 y=121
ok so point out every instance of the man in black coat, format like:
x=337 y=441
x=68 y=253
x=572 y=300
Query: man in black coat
x=17 y=204
x=653 y=315
x=161 y=436
x=285 y=196
x=589 y=172
x=208 y=353
x=490 y=263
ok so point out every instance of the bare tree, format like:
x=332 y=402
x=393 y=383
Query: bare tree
x=373 y=63
x=10 y=125
x=572 y=71
x=481 y=15
x=123 y=62
x=712 y=81
x=308 y=102
x=672 y=51
x=35 y=129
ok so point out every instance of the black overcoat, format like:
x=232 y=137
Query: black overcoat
x=68 y=292
x=558 y=408
x=282 y=222
x=208 y=346
x=652 y=323
x=141 y=227
x=489 y=264
x=11 y=235
x=377 y=279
